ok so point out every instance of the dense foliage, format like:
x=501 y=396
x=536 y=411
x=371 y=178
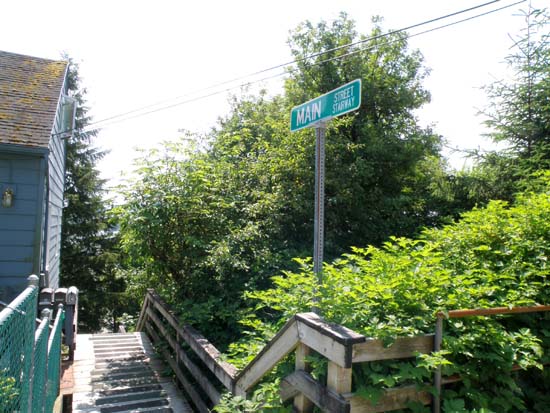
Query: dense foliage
x=518 y=114
x=494 y=257
x=209 y=220
x=89 y=251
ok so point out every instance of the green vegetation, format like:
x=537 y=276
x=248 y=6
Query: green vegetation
x=494 y=257
x=8 y=389
x=206 y=221
x=519 y=114
x=221 y=225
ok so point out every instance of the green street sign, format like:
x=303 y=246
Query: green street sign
x=334 y=103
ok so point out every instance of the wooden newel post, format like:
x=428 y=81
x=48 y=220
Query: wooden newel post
x=339 y=378
x=438 y=339
x=301 y=403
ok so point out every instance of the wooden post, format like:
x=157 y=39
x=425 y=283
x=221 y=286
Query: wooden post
x=338 y=378
x=301 y=403
x=438 y=338
x=140 y=326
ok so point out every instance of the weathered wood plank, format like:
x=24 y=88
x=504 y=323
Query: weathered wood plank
x=324 y=398
x=333 y=342
x=338 y=378
x=142 y=314
x=494 y=311
x=393 y=399
x=301 y=402
x=189 y=388
x=210 y=390
x=336 y=332
x=225 y=372
x=283 y=343
x=403 y=347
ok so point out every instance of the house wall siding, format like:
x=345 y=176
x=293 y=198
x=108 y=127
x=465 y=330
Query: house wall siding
x=56 y=188
x=19 y=224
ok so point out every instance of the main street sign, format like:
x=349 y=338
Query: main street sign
x=334 y=103
x=316 y=113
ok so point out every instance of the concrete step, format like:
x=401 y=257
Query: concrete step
x=111 y=376
x=129 y=405
x=117 y=345
x=135 y=368
x=125 y=349
x=111 y=340
x=100 y=336
x=124 y=390
x=120 y=373
x=121 y=364
x=149 y=405
x=111 y=384
x=151 y=410
x=133 y=356
x=131 y=395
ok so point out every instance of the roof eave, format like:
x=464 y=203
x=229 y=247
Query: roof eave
x=11 y=148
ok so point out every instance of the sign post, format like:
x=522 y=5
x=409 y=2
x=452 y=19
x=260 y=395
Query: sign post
x=316 y=113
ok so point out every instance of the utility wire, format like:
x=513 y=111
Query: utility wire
x=237 y=79
x=116 y=118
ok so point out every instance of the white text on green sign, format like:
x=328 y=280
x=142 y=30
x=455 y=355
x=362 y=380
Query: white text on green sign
x=334 y=103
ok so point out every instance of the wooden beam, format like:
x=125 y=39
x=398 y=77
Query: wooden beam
x=392 y=399
x=333 y=341
x=338 y=378
x=188 y=387
x=301 y=403
x=283 y=343
x=495 y=311
x=326 y=399
x=141 y=319
x=225 y=372
x=337 y=332
x=210 y=390
x=403 y=347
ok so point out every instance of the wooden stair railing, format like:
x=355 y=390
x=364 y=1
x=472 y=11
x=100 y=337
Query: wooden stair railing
x=304 y=332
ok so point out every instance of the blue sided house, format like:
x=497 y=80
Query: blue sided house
x=36 y=117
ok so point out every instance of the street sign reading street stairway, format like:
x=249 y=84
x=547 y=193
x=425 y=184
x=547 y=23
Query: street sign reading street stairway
x=334 y=103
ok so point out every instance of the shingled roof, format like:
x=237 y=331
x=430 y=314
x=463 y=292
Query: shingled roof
x=30 y=88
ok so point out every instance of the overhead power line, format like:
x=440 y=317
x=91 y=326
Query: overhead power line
x=143 y=111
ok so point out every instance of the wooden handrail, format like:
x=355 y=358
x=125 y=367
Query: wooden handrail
x=303 y=332
x=340 y=345
x=493 y=311
x=211 y=357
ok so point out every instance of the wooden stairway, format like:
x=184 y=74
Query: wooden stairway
x=121 y=373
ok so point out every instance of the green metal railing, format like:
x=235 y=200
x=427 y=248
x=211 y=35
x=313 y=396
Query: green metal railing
x=17 y=324
x=54 y=361
x=30 y=357
x=40 y=364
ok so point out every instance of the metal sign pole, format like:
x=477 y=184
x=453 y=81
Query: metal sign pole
x=319 y=219
x=315 y=113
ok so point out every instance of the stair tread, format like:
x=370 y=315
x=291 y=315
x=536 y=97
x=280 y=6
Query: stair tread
x=122 y=375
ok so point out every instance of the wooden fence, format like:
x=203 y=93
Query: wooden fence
x=303 y=333
x=184 y=348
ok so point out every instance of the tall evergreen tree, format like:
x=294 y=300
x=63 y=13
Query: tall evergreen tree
x=519 y=113
x=88 y=249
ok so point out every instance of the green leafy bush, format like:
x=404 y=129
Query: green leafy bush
x=494 y=257
x=9 y=390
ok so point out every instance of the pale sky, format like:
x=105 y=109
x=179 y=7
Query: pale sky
x=136 y=53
